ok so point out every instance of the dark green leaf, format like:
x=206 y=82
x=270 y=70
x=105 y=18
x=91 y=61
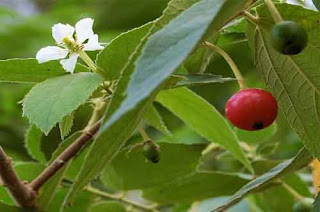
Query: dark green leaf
x=48 y=102
x=130 y=170
x=194 y=187
x=294 y=80
x=30 y=71
x=289 y=166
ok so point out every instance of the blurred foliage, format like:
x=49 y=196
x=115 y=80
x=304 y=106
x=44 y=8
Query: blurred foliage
x=22 y=37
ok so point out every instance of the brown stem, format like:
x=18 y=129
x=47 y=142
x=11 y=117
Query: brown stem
x=64 y=157
x=23 y=195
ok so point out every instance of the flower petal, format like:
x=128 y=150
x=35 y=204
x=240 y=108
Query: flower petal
x=60 y=31
x=92 y=44
x=84 y=29
x=51 y=53
x=70 y=63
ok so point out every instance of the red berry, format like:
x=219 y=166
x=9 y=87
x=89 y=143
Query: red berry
x=252 y=109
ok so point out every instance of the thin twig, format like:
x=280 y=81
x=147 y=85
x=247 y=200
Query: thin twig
x=65 y=156
x=23 y=195
x=231 y=63
x=122 y=199
x=273 y=11
x=293 y=192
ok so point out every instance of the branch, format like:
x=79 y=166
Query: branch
x=19 y=190
x=64 y=157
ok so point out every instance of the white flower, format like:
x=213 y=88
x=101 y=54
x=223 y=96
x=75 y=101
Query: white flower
x=70 y=44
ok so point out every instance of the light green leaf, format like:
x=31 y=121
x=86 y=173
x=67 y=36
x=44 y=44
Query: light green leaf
x=102 y=152
x=65 y=125
x=109 y=206
x=153 y=118
x=130 y=170
x=48 y=102
x=33 y=144
x=30 y=71
x=114 y=57
x=203 y=118
x=194 y=187
x=302 y=159
x=254 y=137
x=294 y=80
x=200 y=79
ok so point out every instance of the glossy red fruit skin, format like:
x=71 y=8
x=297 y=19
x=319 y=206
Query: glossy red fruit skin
x=252 y=109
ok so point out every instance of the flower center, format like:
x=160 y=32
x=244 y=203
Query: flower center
x=72 y=45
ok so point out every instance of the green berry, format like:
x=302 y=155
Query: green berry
x=151 y=151
x=288 y=38
x=304 y=205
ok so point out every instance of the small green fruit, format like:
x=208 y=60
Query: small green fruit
x=288 y=38
x=304 y=205
x=317 y=4
x=151 y=151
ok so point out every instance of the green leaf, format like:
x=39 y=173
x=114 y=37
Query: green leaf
x=302 y=159
x=28 y=171
x=316 y=204
x=130 y=170
x=254 y=137
x=194 y=187
x=65 y=125
x=153 y=118
x=203 y=118
x=201 y=79
x=48 y=102
x=102 y=152
x=8 y=208
x=115 y=56
x=33 y=144
x=48 y=190
x=294 y=80
x=30 y=71
x=110 y=206
x=167 y=49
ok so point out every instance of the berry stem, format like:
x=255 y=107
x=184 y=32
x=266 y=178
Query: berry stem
x=293 y=192
x=274 y=12
x=144 y=134
x=121 y=198
x=251 y=18
x=231 y=63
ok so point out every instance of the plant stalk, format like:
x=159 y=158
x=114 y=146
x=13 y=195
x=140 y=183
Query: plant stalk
x=231 y=63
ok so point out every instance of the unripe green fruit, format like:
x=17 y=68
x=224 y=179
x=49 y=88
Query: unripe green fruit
x=151 y=151
x=316 y=4
x=288 y=38
x=304 y=205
